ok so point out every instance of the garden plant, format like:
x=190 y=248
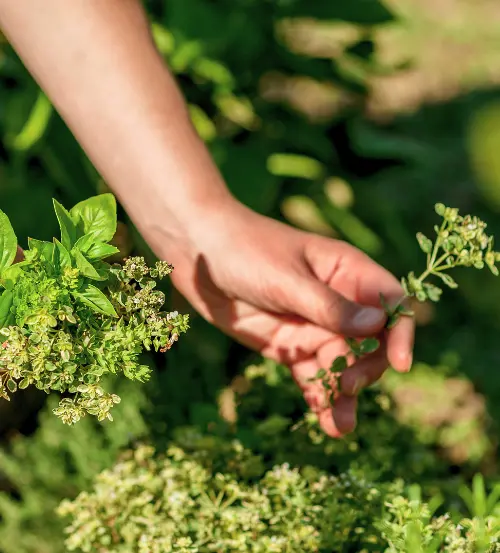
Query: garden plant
x=313 y=112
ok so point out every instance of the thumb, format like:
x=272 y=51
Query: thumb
x=325 y=307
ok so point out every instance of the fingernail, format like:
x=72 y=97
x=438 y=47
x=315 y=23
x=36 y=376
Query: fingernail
x=368 y=317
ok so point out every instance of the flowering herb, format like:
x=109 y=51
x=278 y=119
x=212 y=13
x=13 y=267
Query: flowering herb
x=68 y=318
x=461 y=241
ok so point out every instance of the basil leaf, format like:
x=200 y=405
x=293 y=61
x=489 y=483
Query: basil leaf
x=69 y=232
x=95 y=249
x=6 y=315
x=62 y=257
x=96 y=300
x=101 y=250
x=11 y=274
x=84 y=242
x=97 y=216
x=8 y=242
x=86 y=268
x=45 y=249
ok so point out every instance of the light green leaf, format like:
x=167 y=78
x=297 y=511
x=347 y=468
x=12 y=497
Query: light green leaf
x=11 y=274
x=69 y=232
x=86 y=268
x=6 y=315
x=35 y=126
x=8 y=242
x=84 y=242
x=95 y=299
x=45 y=249
x=97 y=216
x=95 y=249
x=101 y=250
x=62 y=257
x=424 y=242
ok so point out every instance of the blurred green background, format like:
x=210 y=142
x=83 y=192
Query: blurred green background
x=350 y=119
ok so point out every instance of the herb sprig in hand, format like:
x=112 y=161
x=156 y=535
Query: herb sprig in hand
x=461 y=241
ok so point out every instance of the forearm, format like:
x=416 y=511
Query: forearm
x=97 y=62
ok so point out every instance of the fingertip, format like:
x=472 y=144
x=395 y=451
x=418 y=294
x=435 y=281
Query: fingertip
x=400 y=341
x=344 y=413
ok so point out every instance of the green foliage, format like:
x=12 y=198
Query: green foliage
x=183 y=502
x=410 y=527
x=37 y=472
x=69 y=318
x=180 y=502
x=461 y=241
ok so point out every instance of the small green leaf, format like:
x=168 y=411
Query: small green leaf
x=62 y=257
x=97 y=216
x=11 y=385
x=96 y=300
x=354 y=346
x=45 y=249
x=8 y=242
x=421 y=296
x=321 y=374
x=101 y=250
x=369 y=345
x=424 y=242
x=392 y=320
x=6 y=303
x=440 y=209
x=431 y=291
x=10 y=275
x=24 y=383
x=384 y=303
x=448 y=280
x=69 y=232
x=339 y=365
x=84 y=242
x=86 y=268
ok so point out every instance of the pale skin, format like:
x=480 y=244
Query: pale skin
x=289 y=294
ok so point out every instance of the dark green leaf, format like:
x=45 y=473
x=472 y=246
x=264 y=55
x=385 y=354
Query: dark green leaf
x=8 y=242
x=339 y=365
x=392 y=321
x=11 y=385
x=96 y=300
x=86 y=268
x=369 y=345
x=97 y=216
x=6 y=302
x=321 y=374
x=69 y=232
x=354 y=346
x=365 y=12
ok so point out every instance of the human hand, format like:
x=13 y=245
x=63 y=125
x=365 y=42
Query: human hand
x=293 y=296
